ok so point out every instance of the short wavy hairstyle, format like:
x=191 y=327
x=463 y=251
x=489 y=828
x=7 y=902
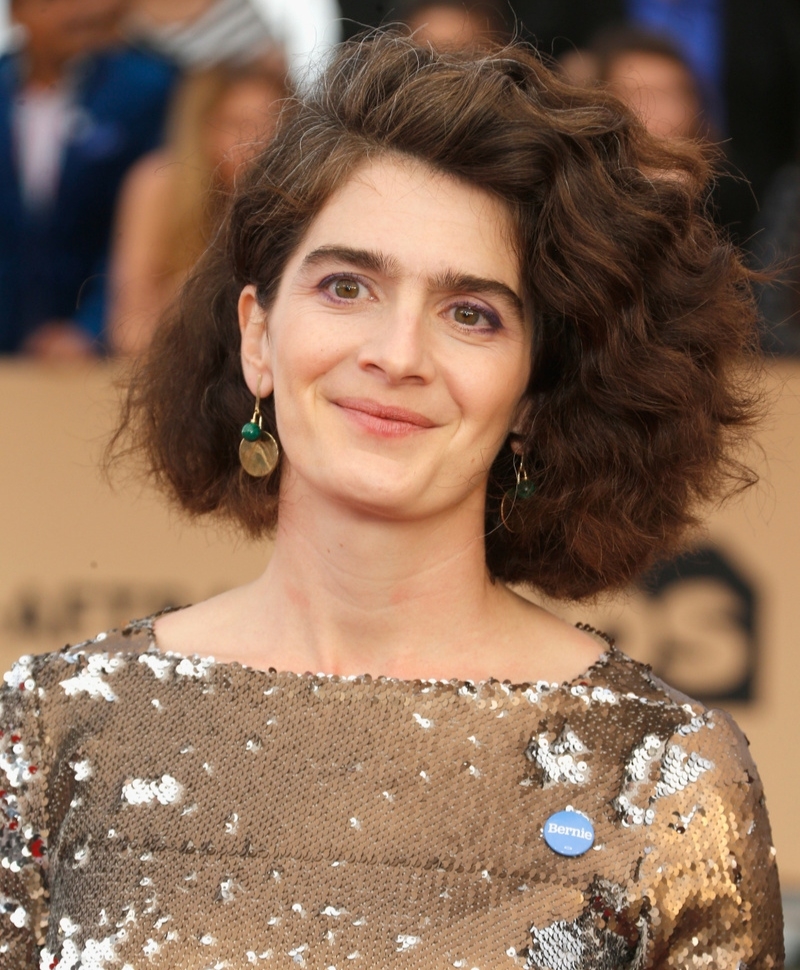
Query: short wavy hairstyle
x=641 y=313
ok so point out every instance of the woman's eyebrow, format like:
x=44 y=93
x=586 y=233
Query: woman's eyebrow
x=367 y=259
x=460 y=282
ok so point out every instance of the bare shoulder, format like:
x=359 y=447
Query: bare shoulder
x=547 y=647
x=186 y=631
x=212 y=627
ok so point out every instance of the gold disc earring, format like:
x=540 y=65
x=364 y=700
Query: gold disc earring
x=258 y=450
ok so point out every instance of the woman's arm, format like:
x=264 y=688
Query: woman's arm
x=713 y=882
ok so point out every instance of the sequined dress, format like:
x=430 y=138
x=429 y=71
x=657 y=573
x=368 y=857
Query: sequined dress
x=168 y=811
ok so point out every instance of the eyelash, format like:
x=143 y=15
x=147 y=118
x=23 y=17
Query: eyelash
x=491 y=318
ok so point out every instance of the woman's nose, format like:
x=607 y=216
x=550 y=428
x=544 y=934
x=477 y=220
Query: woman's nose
x=398 y=347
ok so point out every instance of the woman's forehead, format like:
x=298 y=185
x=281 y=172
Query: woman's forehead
x=419 y=219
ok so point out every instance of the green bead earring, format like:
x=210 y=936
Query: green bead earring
x=258 y=450
x=522 y=491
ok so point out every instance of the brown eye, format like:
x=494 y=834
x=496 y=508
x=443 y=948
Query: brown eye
x=466 y=316
x=346 y=289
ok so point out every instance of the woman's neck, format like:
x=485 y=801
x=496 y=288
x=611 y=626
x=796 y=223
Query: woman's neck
x=351 y=594
x=360 y=593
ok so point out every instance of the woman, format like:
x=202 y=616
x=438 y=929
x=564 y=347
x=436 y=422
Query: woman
x=487 y=341
x=172 y=200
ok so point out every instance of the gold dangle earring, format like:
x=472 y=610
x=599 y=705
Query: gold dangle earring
x=522 y=491
x=258 y=450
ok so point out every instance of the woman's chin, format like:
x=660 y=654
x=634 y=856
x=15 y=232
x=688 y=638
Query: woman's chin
x=385 y=501
x=397 y=499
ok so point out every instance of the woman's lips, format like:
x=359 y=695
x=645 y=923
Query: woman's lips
x=384 y=419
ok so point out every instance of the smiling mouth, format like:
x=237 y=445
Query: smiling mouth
x=384 y=419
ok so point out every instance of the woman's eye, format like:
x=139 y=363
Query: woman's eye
x=346 y=289
x=475 y=318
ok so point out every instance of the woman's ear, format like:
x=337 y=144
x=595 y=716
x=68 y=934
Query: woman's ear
x=520 y=426
x=256 y=356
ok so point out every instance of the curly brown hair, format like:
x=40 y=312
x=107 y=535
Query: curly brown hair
x=641 y=313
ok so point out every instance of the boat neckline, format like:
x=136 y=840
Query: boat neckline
x=146 y=626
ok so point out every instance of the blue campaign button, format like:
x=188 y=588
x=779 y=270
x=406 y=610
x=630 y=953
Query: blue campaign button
x=569 y=832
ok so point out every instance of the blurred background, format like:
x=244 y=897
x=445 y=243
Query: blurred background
x=123 y=126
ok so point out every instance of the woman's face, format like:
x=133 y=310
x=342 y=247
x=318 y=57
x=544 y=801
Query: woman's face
x=396 y=347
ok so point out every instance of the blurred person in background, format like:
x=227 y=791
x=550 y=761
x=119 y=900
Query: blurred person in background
x=777 y=246
x=172 y=199
x=5 y=25
x=454 y=24
x=200 y=33
x=745 y=55
x=650 y=75
x=76 y=110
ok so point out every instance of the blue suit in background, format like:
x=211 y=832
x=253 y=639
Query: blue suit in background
x=53 y=262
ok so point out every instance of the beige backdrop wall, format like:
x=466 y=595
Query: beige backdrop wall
x=78 y=558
